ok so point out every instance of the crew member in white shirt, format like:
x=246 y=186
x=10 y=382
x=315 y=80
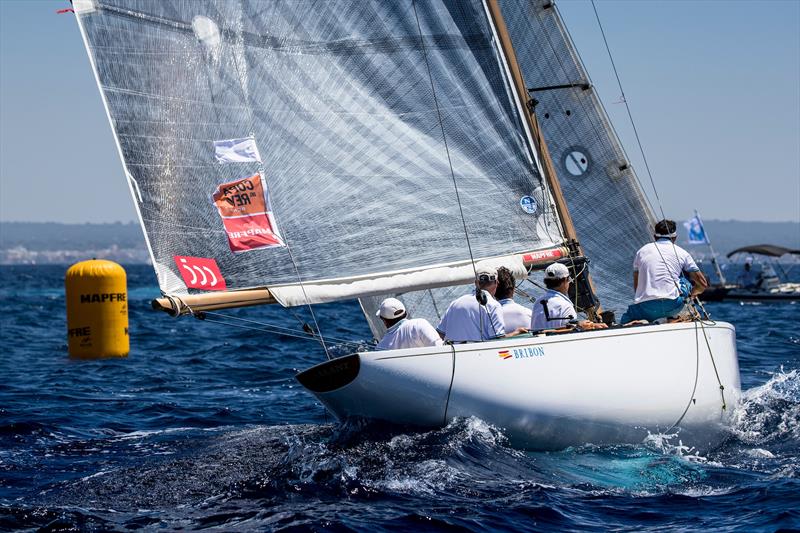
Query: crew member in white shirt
x=514 y=314
x=476 y=316
x=554 y=310
x=403 y=332
x=658 y=277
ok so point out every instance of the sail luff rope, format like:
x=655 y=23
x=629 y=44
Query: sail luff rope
x=479 y=291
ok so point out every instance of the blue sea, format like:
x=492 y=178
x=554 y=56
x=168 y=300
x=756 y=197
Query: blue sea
x=204 y=427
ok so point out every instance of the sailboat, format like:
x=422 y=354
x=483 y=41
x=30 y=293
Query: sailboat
x=302 y=152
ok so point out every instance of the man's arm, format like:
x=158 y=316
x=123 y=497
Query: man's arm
x=699 y=282
x=635 y=280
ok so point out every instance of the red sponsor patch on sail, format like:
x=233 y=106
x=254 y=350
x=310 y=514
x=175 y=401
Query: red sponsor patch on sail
x=244 y=208
x=200 y=273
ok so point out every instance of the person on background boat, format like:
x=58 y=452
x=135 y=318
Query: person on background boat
x=748 y=279
x=469 y=320
x=403 y=332
x=554 y=310
x=514 y=314
x=660 y=272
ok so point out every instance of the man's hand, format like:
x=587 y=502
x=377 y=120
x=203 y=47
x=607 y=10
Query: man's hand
x=518 y=331
x=699 y=282
x=587 y=324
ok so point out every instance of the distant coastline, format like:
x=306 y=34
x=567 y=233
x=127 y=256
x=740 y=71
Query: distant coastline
x=53 y=243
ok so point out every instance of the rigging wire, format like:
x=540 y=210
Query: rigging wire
x=262 y=173
x=628 y=109
x=478 y=290
x=280 y=330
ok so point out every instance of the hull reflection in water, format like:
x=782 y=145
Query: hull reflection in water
x=601 y=387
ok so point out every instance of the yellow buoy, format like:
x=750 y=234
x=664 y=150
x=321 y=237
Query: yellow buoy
x=97 y=310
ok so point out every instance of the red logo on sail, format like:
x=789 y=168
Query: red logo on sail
x=244 y=207
x=200 y=273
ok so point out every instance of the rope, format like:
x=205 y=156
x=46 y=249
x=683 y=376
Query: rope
x=450 y=388
x=278 y=329
x=696 y=379
x=262 y=173
x=628 y=109
x=449 y=161
x=265 y=327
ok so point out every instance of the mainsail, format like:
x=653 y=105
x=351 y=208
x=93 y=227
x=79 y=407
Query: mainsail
x=368 y=118
x=609 y=210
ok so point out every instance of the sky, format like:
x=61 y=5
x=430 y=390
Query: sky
x=713 y=86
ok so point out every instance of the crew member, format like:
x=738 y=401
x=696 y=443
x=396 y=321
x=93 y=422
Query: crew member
x=660 y=272
x=476 y=316
x=514 y=314
x=404 y=332
x=554 y=310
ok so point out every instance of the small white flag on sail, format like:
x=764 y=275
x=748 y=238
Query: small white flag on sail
x=237 y=151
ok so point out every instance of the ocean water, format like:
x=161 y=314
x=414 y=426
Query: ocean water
x=203 y=426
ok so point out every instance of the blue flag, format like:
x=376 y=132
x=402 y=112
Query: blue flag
x=697 y=234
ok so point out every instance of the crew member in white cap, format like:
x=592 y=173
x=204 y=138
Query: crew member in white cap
x=658 y=277
x=403 y=332
x=554 y=310
x=469 y=320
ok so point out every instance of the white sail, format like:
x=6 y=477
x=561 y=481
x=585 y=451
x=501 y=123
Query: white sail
x=384 y=130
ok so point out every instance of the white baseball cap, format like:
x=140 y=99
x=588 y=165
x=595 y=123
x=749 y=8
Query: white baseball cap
x=391 y=308
x=486 y=269
x=556 y=271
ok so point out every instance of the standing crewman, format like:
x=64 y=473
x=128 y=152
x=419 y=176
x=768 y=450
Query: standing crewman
x=660 y=272
x=554 y=310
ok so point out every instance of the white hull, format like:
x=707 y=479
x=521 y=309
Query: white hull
x=601 y=387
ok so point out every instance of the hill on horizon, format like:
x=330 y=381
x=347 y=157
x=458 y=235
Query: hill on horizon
x=53 y=242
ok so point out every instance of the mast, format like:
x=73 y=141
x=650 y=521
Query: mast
x=540 y=146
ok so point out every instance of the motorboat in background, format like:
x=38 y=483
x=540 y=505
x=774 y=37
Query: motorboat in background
x=762 y=283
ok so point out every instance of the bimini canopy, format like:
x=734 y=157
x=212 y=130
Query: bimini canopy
x=764 y=249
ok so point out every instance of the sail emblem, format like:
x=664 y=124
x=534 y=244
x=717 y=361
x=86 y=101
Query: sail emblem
x=200 y=273
x=528 y=204
x=244 y=208
x=576 y=161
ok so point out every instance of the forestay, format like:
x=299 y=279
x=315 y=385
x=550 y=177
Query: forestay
x=349 y=121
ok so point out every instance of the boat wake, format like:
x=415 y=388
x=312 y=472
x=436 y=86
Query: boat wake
x=175 y=476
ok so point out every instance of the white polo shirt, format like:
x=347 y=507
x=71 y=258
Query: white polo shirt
x=463 y=319
x=515 y=315
x=559 y=307
x=659 y=265
x=409 y=333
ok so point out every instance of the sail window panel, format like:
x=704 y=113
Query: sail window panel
x=611 y=215
x=339 y=97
